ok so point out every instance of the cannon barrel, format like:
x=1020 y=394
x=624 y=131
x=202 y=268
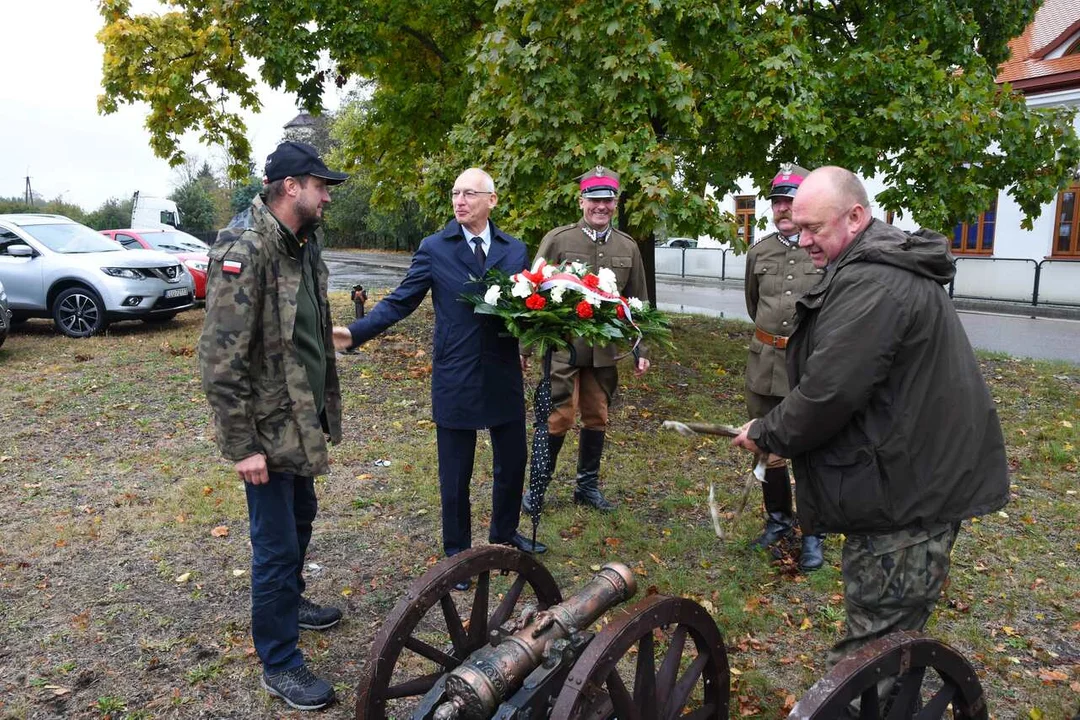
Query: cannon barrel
x=475 y=688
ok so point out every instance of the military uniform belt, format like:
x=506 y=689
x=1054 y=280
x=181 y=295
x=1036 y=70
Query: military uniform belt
x=777 y=341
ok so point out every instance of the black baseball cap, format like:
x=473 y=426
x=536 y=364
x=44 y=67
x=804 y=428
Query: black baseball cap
x=294 y=159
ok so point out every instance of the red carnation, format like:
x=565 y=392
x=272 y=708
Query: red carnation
x=591 y=281
x=584 y=310
x=535 y=302
x=620 y=312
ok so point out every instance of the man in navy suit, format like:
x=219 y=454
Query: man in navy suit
x=476 y=379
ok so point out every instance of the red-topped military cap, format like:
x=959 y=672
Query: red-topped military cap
x=787 y=181
x=599 y=183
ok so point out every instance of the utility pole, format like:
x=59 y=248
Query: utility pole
x=29 y=192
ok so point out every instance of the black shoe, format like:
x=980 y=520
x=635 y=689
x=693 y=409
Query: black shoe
x=812 y=556
x=524 y=544
x=300 y=688
x=462 y=586
x=317 y=617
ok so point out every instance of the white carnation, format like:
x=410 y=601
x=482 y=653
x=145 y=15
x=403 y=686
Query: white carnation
x=578 y=268
x=557 y=294
x=548 y=271
x=492 y=295
x=635 y=304
x=522 y=289
x=594 y=299
x=608 y=282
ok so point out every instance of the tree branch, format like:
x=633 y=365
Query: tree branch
x=426 y=42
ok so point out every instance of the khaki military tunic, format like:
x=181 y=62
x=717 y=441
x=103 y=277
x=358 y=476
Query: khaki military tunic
x=776 y=277
x=592 y=380
x=619 y=253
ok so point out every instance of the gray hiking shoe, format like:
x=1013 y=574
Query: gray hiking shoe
x=299 y=687
x=317 y=617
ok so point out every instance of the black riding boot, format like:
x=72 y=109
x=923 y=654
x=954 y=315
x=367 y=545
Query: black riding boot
x=554 y=446
x=776 y=491
x=588 y=471
x=812 y=556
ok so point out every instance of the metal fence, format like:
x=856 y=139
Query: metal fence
x=1048 y=282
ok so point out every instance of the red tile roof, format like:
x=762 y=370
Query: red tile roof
x=1028 y=70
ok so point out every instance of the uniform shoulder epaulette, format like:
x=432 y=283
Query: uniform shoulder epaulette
x=763 y=238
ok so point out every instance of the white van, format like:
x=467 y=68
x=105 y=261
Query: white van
x=153 y=212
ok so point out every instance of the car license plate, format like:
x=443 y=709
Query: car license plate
x=176 y=292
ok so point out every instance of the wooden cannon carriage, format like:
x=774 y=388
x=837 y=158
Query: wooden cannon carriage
x=513 y=648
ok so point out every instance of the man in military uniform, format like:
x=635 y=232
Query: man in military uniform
x=268 y=370
x=778 y=272
x=588 y=378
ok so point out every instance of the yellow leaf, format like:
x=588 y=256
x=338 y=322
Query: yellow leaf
x=1008 y=630
x=1066 y=423
x=346 y=591
x=806 y=624
x=594 y=568
x=735 y=671
x=220 y=531
x=183 y=578
x=1036 y=714
x=365 y=476
x=238 y=572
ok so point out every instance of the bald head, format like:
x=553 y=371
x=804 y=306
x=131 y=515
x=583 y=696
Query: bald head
x=473 y=198
x=831 y=209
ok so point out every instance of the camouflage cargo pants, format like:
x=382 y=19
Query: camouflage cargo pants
x=892 y=582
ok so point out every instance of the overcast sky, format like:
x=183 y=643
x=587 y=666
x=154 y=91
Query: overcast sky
x=49 y=125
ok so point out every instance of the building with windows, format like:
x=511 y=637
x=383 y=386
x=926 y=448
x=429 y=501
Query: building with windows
x=1045 y=67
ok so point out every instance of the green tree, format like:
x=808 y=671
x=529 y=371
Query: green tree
x=244 y=193
x=676 y=95
x=112 y=214
x=196 y=206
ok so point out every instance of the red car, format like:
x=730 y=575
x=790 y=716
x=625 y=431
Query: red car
x=188 y=249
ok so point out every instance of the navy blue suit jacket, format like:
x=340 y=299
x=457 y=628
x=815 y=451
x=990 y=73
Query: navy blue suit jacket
x=476 y=377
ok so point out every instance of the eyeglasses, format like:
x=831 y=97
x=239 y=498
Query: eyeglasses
x=468 y=194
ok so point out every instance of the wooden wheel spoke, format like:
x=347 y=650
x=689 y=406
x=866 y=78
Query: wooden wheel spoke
x=935 y=708
x=411 y=688
x=868 y=709
x=454 y=626
x=670 y=666
x=509 y=601
x=430 y=652
x=907 y=690
x=645 y=677
x=478 y=619
x=706 y=712
x=681 y=692
x=621 y=701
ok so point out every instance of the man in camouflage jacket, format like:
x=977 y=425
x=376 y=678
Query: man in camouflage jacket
x=268 y=370
x=778 y=273
x=589 y=378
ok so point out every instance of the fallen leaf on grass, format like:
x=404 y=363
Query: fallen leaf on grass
x=57 y=690
x=1049 y=677
x=365 y=476
x=220 y=531
x=183 y=578
x=238 y=572
x=806 y=624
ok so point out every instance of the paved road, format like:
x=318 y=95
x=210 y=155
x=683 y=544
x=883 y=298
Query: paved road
x=1016 y=335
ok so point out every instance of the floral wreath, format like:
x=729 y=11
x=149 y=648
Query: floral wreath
x=550 y=305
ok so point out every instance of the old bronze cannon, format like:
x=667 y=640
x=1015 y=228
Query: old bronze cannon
x=514 y=648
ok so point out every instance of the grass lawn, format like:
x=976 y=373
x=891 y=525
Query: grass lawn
x=124 y=559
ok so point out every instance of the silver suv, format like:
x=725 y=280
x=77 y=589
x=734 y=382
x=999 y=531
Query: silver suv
x=51 y=266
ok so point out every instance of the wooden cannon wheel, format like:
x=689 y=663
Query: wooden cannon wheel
x=415 y=647
x=617 y=675
x=952 y=689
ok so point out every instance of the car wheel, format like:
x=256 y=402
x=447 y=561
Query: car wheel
x=78 y=312
x=159 y=319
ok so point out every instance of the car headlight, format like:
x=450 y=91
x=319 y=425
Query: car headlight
x=198 y=265
x=122 y=272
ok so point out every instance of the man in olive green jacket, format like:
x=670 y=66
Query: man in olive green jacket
x=268 y=370
x=889 y=425
x=778 y=273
